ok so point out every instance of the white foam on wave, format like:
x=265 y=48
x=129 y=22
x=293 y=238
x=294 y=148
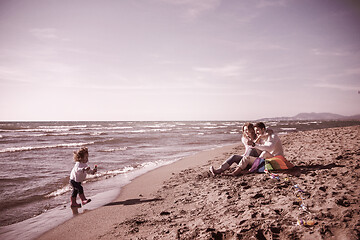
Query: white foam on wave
x=114 y=149
x=59 y=192
x=43 y=130
x=230 y=123
x=150 y=130
x=29 y=148
x=96 y=133
x=308 y=123
x=160 y=125
x=64 y=127
x=122 y=127
x=208 y=124
x=288 y=129
x=35 y=135
x=118 y=171
x=49 y=133
x=161 y=130
x=272 y=124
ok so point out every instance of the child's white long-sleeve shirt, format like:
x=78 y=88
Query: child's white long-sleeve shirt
x=78 y=173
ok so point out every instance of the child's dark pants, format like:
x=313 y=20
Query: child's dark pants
x=77 y=188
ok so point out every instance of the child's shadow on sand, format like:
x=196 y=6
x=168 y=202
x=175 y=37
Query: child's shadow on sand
x=306 y=169
x=133 y=201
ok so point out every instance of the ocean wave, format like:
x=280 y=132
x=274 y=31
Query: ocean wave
x=308 y=123
x=112 y=128
x=288 y=129
x=33 y=135
x=10 y=127
x=63 y=127
x=59 y=192
x=11 y=202
x=14 y=179
x=43 y=130
x=160 y=126
x=150 y=130
x=230 y=123
x=207 y=124
x=272 y=124
x=30 y=148
x=113 y=149
x=46 y=129
x=68 y=133
x=48 y=134
x=53 y=134
x=97 y=133
x=115 y=128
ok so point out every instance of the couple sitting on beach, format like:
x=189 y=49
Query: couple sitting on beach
x=259 y=142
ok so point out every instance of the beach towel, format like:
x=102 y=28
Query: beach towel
x=270 y=164
x=258 y=165
x=277 y=163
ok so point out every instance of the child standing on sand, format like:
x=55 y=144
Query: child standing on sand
x=78 y=175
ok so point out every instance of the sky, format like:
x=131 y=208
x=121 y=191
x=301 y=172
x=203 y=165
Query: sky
x=163 y=60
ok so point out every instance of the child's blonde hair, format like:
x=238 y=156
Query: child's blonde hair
x=80 y=154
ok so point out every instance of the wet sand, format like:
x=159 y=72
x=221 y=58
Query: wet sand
x=184 y=201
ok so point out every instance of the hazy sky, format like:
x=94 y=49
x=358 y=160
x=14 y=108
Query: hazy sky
x=178 y=59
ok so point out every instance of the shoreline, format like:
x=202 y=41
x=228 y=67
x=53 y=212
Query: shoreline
x=176 y=197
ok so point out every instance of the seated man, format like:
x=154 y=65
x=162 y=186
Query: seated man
x=267 y=142
x=272 y=144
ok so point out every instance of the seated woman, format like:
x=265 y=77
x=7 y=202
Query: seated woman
x=248 y=138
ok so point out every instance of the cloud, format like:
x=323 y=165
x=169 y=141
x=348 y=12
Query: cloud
x=247 y=18
x=352 y=71
x=47 y=34
x=338 y=53
x=224 y=71
x=10 y=75
x=345 y=80
x=341 y=87
x=271 y=3
x=343 y=74
x=202 y=6
x=196 y=8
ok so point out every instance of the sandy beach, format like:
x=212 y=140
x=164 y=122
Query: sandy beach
x=184 y=201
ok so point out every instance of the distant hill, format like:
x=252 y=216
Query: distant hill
x=354 y=117
x=313 y=116
x=318 y=116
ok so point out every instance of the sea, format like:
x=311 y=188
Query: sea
x=36 y=159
